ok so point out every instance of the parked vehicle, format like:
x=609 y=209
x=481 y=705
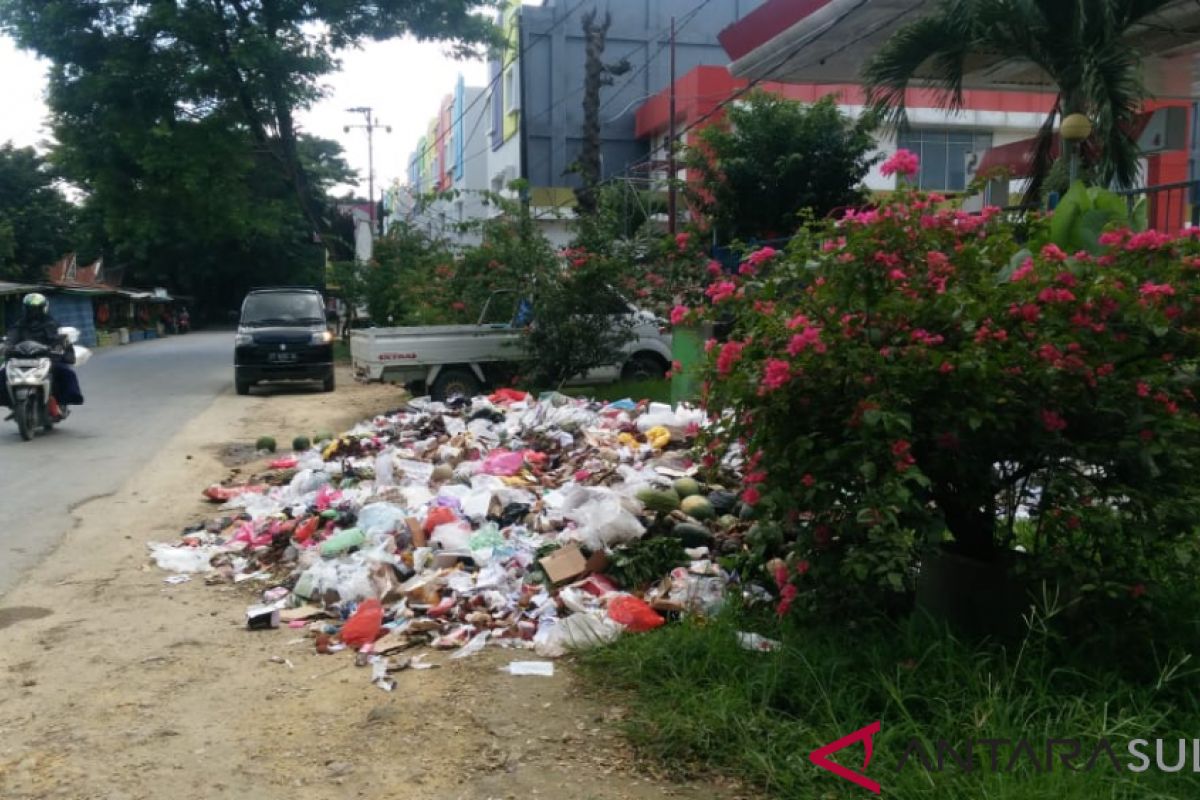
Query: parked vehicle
x=28 y=369
x=283 y=336
x=446 y=360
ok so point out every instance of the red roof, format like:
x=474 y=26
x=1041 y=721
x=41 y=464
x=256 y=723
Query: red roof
x=764 y=23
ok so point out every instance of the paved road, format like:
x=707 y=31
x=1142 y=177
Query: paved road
x=137 y=397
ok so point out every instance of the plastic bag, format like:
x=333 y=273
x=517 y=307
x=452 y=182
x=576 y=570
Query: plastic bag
x=454 y=537
x=363 y=626
x=380 y=519
x=438 y=517
x=604 y=523
x=182 y=559
x=634 y=613
x=576 y=632
x=82 y=355
x=503 y=463
x=385 y=470
x=307 y=481
x=476 y=645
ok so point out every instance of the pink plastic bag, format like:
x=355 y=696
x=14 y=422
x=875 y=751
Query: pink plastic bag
x=327 y=497
x=503 y=463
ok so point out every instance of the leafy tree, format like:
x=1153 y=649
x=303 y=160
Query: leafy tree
x=775 y=158
x=35 y=218
x=402 y=284
x=1082 y=45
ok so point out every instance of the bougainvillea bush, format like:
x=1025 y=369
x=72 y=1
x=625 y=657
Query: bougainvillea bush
x=911 y=374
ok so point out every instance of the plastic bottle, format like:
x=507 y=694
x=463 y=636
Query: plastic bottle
x=342 y=542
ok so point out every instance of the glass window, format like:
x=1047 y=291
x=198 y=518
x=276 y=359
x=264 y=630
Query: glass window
x=943 y=155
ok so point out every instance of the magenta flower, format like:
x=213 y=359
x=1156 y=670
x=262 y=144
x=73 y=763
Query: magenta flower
x=903 y=162
x=776 y=374
x=721 y=290
x=679 y=314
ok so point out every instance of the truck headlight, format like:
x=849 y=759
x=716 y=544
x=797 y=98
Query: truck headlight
x=243 y=339
x=323 y=337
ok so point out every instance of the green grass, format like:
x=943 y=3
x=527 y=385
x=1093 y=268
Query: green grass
x=658 y=391
x=701 y=702
x=341 y=351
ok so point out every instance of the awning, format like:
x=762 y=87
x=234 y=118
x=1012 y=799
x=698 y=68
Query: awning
x=7 y=287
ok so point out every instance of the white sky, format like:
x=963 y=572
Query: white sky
x=403 y=80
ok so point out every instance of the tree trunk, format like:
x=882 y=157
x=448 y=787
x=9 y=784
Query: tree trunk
x=588 y=165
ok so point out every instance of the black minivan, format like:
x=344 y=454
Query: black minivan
x=282 y=336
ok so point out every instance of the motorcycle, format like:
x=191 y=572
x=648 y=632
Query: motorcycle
x=28 y=371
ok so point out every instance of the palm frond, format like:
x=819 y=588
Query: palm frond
x=1113 y=90
x=1043 y=155
x=930 y=51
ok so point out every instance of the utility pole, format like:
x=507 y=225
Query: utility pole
x=370 y=127
x=672 y=169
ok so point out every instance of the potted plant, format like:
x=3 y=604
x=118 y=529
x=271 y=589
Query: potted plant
x=909 y=391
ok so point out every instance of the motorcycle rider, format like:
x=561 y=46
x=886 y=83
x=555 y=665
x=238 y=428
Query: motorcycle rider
x=36 y=325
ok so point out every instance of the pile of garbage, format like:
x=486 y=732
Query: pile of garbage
x=551 y=524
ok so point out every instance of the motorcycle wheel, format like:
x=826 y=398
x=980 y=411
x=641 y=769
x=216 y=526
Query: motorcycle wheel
x=27 y=414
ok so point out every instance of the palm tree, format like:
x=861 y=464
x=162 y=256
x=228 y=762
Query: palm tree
x=1083 y=46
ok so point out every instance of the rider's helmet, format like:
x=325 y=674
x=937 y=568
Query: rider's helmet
x=35 y=304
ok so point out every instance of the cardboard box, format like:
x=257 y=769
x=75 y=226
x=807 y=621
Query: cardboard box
x=564 y=564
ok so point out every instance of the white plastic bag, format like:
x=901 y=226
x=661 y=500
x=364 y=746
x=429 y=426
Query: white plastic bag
x=82 y=355
x=380 y=519
x=576 y=632
x=604 y=523
x=182 y=559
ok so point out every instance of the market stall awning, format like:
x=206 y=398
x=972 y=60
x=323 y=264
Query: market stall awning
x=827 y=41
x=7 y=288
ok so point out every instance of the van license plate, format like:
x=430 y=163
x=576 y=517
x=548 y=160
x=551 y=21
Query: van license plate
x=281 y=358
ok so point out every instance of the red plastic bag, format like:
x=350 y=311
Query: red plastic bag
x=364 y=624
x=503 y=463
x=508 y=396
x=306 y=529
x=634 y=613
x=439 y=516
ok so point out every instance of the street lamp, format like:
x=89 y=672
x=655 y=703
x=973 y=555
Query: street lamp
x=1075 y=129
x=370 y=127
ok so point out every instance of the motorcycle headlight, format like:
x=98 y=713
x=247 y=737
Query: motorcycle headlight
x=322 y=337
x=243 y=339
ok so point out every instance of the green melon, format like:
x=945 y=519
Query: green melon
x=265 y=443
x=697 y=507
x=301 y=443
x=692 y=535
x=687 y=487
x=661 y=501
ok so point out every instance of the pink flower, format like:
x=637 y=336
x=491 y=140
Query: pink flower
x=679 y=314
x=787 y=596
x=776 y=374
x=1148 y=240
x=751 y=496
x=762 y=256
x=1026 y=270
x=798 y=321
x=722 y=290
x=715 y=268
x=709 y=344
x=1053 y=421
x=1052 y=295
x=897 y=275
x=1053 y=252
x=1143 y=389
x=1111 y=238
x=809 y=337
x=808 y=479
x=1149 y=289
x=682 y=239
x=459 y=305
x=731 y=353
x=946 y=368
x=903 y=162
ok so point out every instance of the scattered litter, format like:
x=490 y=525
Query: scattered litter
x=175 y=580
x=553 y=525
x=543 y=669
x=752 y=641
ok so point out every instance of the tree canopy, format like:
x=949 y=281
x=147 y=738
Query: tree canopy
x=177 y=118
x=773 y=158
x=35 y=217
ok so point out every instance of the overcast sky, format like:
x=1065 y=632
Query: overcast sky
x=403 y=80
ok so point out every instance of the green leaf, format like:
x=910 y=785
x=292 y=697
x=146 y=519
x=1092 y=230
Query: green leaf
x=1067 y=214
x=872 y=416
x=868 y=470
x=1019 y=258
x=974 y=421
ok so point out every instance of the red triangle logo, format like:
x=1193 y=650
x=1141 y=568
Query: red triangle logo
x=821 y=755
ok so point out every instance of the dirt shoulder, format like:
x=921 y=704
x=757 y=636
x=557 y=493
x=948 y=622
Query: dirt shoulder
x=118 y=686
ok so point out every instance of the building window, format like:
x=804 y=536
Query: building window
x=943 y=156
x=512 y=99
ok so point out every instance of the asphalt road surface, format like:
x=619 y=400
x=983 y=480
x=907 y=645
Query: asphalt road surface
x=136 y=397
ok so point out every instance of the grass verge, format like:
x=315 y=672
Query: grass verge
x=700 y=701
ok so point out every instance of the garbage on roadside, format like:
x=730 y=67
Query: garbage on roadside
x=549 y=524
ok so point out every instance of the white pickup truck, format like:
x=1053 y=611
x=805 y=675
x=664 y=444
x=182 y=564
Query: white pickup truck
x=446 y=360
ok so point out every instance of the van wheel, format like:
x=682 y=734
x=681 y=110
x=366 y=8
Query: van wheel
x=243 y=387
x=330 y=383
x=451 y=382
x=643 y=367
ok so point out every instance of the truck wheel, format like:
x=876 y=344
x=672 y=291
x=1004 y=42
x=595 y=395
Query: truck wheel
x=330 y=383
x=455 y=381
x=643 y=367
x=243 y=387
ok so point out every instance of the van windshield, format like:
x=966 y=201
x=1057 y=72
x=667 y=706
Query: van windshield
x=279 y=308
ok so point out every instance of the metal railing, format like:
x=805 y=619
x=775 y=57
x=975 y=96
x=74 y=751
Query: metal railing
x=1170 y=207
